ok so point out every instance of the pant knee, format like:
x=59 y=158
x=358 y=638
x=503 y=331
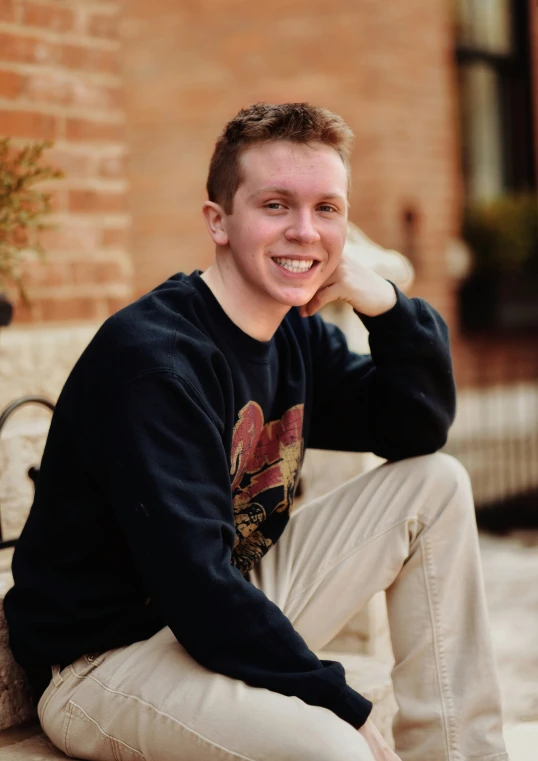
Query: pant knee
x=322 y=736
x=447 y=471
x=439 y=483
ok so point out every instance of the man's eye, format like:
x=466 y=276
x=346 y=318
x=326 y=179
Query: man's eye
x=326 y=207
x=273 y=205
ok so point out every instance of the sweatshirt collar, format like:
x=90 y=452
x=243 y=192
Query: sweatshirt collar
x=239 y=341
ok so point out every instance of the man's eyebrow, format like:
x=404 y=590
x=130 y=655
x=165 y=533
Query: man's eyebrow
x=290 y=193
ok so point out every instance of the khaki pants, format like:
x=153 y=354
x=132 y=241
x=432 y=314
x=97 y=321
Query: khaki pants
x=405 y=527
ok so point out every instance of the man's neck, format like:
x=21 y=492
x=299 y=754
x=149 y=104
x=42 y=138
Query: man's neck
x=246 y=309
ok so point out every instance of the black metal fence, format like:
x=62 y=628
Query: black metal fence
x=496 y=432
x=11 y=408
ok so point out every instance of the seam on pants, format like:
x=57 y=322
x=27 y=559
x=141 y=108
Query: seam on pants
x=41 y=711
x=356 y=547
x=444 y=688
x=67 y=722
x=232 y=753
x=115 y=740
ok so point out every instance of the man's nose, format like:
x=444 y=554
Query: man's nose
x=303 y=229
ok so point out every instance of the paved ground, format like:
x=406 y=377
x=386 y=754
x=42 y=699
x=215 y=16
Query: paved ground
x=511 y=578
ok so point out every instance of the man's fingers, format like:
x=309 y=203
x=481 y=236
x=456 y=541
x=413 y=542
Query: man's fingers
x=322 y=297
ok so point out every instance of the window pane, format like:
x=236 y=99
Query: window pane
x=481 y=131
x=485 y=25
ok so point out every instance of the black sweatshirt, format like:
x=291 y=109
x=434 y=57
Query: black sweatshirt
x=170 y=468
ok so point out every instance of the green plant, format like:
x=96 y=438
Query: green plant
x=503 y=235
x=22 y=208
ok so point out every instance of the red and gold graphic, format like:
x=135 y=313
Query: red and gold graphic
x=265 y=464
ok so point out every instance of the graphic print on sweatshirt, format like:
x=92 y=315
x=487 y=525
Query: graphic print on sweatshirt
x=266 y=461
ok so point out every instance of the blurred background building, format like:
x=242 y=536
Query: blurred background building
x=443 y=98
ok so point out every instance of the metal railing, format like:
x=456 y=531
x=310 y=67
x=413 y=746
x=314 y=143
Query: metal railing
x=33 y=472
x=496 y=435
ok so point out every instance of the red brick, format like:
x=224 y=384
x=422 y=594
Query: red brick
x=7 y=10
x=116 y=237
x=50 y=87
x=75 y=165
x=51 y=272
x=11 y=85
x=47 y=16
x=29 y=124
x=109 y=272
x=113 y=167
x=69 y=308
x=92 y=131
x=22 y=49
x=99 y=271
x=87 y=58
x=103 y=25
x=73 y=239
x=84 y=271
x=91 y=201
x=114 y=304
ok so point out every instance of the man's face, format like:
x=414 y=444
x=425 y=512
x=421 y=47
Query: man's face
x=288 y=226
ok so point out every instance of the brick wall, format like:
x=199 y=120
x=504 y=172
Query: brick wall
x=386 y=67
x=60 y=78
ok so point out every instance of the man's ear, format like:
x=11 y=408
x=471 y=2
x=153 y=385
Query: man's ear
x=215 y=219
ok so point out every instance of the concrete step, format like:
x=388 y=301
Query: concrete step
x=522 y=741
x=28 y=743
x=15 y=704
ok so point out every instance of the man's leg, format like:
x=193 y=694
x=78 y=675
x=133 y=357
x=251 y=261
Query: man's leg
x=152 y=702
x=407 y=527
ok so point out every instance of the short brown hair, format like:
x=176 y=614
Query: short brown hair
x=262 y=122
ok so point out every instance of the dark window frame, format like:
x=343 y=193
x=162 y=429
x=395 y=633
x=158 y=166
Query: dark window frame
x=515 y=77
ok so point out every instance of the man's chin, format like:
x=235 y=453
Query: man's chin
x=294 y=299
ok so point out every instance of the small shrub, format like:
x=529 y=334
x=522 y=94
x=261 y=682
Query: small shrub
x=22 y=208
x=503 y=235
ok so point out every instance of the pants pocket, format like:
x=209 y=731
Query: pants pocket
x=83 y=738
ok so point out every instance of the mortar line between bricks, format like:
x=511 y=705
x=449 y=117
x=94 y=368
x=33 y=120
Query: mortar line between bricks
x=95 y=184
x=81 y=290
x=42 y=34
x=106 y=9
x=66 y=112
x=121 y=220
x=30 y=69
x=102 y=151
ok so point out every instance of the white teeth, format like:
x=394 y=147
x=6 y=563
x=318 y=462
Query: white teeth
x=295 y=265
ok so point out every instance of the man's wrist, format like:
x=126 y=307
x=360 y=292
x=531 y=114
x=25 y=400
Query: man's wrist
x=379 y=303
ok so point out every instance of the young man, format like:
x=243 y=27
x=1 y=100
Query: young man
x=166 y=605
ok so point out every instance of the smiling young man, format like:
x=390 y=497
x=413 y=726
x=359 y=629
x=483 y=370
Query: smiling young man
x=166 y=603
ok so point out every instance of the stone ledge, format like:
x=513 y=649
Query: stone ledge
x=15 y=703
x=33 y=748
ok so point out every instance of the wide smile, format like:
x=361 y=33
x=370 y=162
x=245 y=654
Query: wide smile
x=295 y=268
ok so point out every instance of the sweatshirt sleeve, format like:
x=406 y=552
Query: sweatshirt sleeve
x=397 y=402
x=164 y=469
